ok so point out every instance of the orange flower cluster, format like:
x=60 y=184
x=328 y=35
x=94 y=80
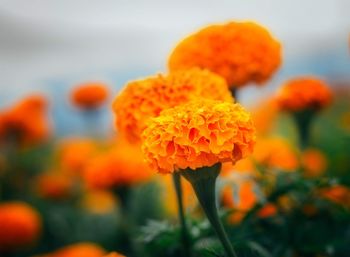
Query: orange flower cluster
x=89 y=95
x=98 y=201
x=54 y=185
x=114 y=255
x=78 y=250
x=267 y=211
x=75 y=152
x=240 y=52
x=304 y=93
x=25 y=123
x=143 y=99
x=338 y=194
x=265 y=115
x=197 y=134
x=314 y=162
x=20 y=225
x=122 y=165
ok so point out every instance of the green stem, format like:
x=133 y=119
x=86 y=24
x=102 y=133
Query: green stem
x=184 y=231
x=303 y=120
x=203 y=182
x=234 y=93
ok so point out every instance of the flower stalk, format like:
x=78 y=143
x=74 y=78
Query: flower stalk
x=303 y=121
x=203 y=182
x=184 y=230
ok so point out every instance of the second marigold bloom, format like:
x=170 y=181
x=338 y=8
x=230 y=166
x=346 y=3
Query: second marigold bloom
x=198 y=134
x=89 y=95
x=143 y=99
x=241 y=52
x=304 y=93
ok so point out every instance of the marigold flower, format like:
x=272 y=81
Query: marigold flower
x=121 y=165
x=20 y=225
x=78 y=250
x=240 y=52
x=304 y=93
x=89 y=95
x=198 y=134
x=114 y=255
x=54 y=185
x=314 y=162
x=143 y=99
x=74 y=153
x=267 y=211
x=99 y=201
x=338 y=194
x=26 y=122
x=265 y=115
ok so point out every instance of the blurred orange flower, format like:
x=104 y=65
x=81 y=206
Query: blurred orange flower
x=54 y=185
x=198 y=134
x=264 y=116
x=89 y=95
x=314 y=162
x=338 y=194
x=121 y=165
x=75 y=152
x=240 y=52
x=304 y=93
x=20 y=225
x=99 y=201
x=114 y=255
x=246 y=200
x=143 y=99
x=78 y=250
x=25 y=123
x=189 y=199
x=267 y=211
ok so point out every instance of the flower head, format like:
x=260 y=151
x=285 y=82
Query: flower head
x=241 y=52
x=304 y=93
x=20 y=225
x=98 y=201
x=314 y=162
x=144 y=99
x=114 y=254
x=26 y=122
x=338 y=194
x=78 y=250
x=198 y=134
x=89 y=95
x=121 y=165
x=54 y=185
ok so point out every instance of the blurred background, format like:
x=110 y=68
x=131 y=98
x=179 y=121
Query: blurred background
x=50 y=46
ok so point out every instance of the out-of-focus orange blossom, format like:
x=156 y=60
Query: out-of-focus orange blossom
x=314 y=162
x=114 y=255
x=198 y=134
x=75 y=152
x=264 y=116
x=89 y=95
x=121 y=165
x=240 y=52
x=144 y=99
x=99 y=201
x=304 y=93
x=169 y=195
x=268 y=210
x=26 y=122
x=338 y=194
x=78 y=250
x=54 y=185
x=20 y=225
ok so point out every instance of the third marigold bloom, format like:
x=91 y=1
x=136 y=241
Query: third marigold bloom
x=143 y=99
x=89 y=95
x=304 y=93
x=198 y=134
x=241 y=52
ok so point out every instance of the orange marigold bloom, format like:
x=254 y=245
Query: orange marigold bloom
x=114 y=255
x=20 y=225
x=99 y=201
x=54 y=185
x=74 y=153
x=143 y=99
x=338 y=194
x=240 y=52
x=198 y=134
x=267 y=211
x=26 y=123
x=265 y=115
x=121 y=165
x=304 y=93
x=89 y=95
x=314 y=162
x=79 y=250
